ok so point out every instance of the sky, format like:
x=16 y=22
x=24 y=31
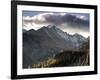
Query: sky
x=68 y=22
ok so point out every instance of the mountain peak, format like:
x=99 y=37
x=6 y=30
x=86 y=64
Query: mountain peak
x=51 y=26
x=54 y=28
x=32 y=29
x=76 y=34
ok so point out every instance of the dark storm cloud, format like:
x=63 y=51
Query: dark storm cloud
x=68 y=22
x=78 y=21
x=70 y=19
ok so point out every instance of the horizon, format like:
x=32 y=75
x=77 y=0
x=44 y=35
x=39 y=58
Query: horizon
x=86 y=36
x=68 y=22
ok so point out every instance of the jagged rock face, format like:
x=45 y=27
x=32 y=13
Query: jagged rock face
x=66 y=59
x=47 y=42
x=73 y=58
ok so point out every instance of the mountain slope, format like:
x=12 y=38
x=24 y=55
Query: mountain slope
x=47 y=42
x=68 y=58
